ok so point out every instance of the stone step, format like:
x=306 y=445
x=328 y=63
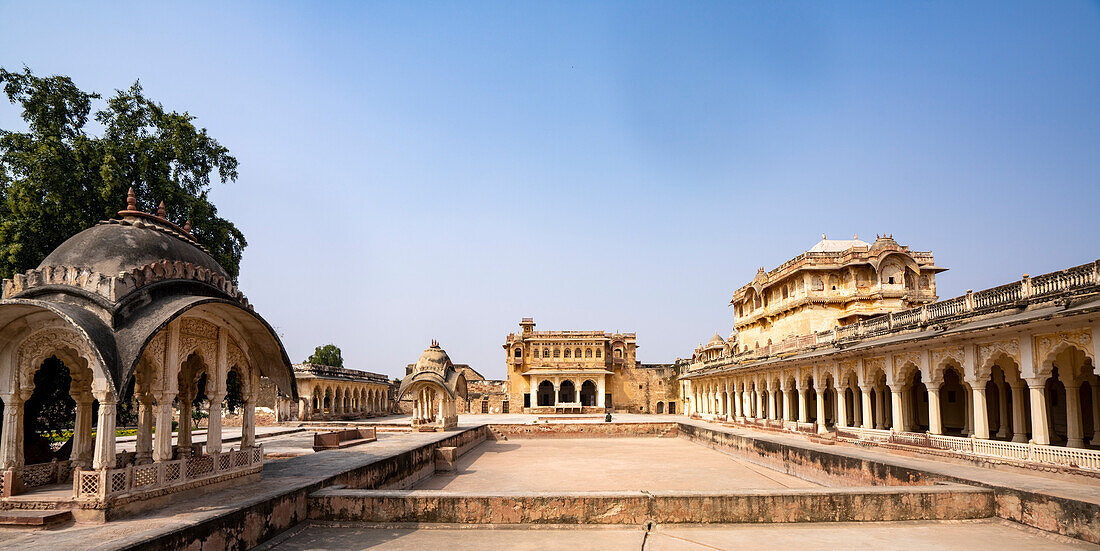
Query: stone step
x=34 y=518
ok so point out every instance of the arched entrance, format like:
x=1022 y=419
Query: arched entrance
x=588 y=393
x=546 y=393
x=567 y=393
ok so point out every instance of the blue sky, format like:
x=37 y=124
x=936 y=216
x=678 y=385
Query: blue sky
x=411 y=171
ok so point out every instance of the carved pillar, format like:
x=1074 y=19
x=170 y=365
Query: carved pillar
x=1075 y=438
x=248 y=422
x=868 y=420
x=820 y=392
x=785 y=394
x=803 y=415
x=11 y=452
x=105 y=432
x=214 y=425
x=935 y=421
x=1040 y=420
x=1019 y=425
x=1002 y=403
x=1095 y=385
x=841 y=407
x=183 y=436
x=901 y=422
x=980 y=411
x=162 y=438
x=968 y=411
x=82 y=431
x=144 y=446
x=880 y=410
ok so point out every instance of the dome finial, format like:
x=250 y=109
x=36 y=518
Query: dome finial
x=161 y=212
x=131 y=200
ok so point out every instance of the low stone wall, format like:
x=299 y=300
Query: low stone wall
x=266 y=516
x=1060 y=515
x=940 y=502
x=827 y=469
x=582 y=430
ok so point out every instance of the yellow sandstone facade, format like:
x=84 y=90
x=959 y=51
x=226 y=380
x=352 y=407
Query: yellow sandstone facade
x=584 y=371
x=835 y=283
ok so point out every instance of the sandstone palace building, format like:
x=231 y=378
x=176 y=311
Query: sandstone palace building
x=584 y=372
x=850 y=337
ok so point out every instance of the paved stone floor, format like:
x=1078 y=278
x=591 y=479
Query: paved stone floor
x=604 y=464
x=993 y=535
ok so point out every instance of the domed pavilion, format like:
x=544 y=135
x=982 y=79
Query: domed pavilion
x=434 y=384
x=135 y=310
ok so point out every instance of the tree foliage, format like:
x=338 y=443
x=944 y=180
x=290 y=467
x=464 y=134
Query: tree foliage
x=57 y=178
x=328 y=354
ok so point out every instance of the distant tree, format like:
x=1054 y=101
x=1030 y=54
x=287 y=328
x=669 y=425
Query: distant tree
x=57 y=179
x=328 y=354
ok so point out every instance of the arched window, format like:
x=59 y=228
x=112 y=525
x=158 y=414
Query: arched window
x=536 y=352
x=785 y=296
x=618 y=352
x=519 y=353
x=587 y=352
x=577 y=353
x=567 y=352
x=557 y=353
x=816 y=284
x=545 y=352
x=924 y=282
x=833 y=283
x=599 y=352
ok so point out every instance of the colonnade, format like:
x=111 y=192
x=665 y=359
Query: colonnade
x=1038 y=386
x=325 y=399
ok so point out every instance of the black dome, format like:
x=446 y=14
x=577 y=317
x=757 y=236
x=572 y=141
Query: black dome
x=123 y=245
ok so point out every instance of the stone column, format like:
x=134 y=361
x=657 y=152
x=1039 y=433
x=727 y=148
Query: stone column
x=1075 y=437
x=868 y=419
x=980 y=411
x=785 y=394
x=183 y=436
x=11 y=453
x=732 y=410
x=1002 y=403
x=1019 y=430
x=303 y=409
x=534 y=392
x=968 y=411
x=803 y=415
x=214 y=425
x=841 y=407
x=105 y=432
x=901 y=422
x=880 y=411
x=1040 y=421
x=820 y=393
x=144 y=446
x=162 y=438
x=82 y=431
x=248 y=422
x=1095 y=385
x=935 y=421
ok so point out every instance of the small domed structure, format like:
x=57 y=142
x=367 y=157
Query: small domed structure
x=135 y=308
x=434 y=385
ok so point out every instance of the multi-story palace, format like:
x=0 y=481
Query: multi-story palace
x=850 y=335
x=584 y=371
x=835 y=283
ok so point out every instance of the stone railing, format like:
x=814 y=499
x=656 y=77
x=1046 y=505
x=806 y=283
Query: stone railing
x=1014 y=451
x=105 y=484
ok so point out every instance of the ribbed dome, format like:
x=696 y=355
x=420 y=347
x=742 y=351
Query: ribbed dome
x=716 y=340
x=122 y=245
x=433 y=359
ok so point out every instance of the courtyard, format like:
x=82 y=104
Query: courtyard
x=596 y=464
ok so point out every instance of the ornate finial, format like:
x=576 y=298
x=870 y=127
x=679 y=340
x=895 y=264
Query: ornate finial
x=855 y=236
x=131 y=200
x=161 y=212
x=822 y=237
x=187 y=227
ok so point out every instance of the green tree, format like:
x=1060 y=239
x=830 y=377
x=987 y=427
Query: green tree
x=328 y=354
x=57 y=178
